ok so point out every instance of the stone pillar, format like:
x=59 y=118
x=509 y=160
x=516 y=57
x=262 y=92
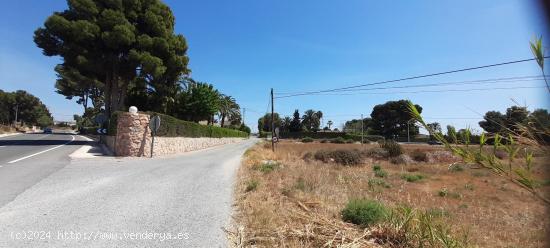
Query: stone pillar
x=133 y=136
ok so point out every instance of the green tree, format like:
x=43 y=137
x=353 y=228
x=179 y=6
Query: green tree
x=228 y=108
x=329 y=124
x=71 y=84
x=116 y=41
x=28 y=109
x=199 y=102
x=296 y=123
x=494 y=122
x=264 y=122
x=390 y=119
x=285 y=124
x=311 y=120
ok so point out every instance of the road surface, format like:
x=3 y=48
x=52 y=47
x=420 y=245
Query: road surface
x=179 y=201
x=25 y=159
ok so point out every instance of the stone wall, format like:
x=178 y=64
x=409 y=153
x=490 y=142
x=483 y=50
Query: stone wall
x=175 y=145
x=133 y=135
x=133 y=139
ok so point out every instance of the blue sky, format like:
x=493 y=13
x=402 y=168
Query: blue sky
x=247 y=47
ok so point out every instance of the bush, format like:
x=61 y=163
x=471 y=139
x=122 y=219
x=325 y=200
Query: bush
x=420 y=156
x=392 y=147
x=307 y=156
x=307 y=140
x=172 y=127
x=412 y=177
x=364 y=212
x=267 y=166
x=376 y=152
x=324 y=141
x=350 y=141
x=380 y=173
x=378 y=182
x=338 y=140
x=245 y=128
x=376 y=167
x=345 y=157
x=401 y=159
x=251 y=185
x=456 y=168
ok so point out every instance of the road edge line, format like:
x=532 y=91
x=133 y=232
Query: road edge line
x=38 y=153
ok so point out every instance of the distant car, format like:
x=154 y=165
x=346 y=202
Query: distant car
x=434 y=142
x=48 y=130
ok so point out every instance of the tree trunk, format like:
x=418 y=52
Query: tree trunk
x=223 y=120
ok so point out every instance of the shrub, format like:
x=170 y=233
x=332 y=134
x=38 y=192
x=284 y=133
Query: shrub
x=501 y=154
x=456 y=168
x=378 y=182
x=307 y=140
x=308 y=156
x=268 y=166
x=401 y=159
x=376 y=167
x=172 y=127
x=420 y=156
x=441 y=157
x=377 y=152
x=345 y=157
x=324 y=141
x=393 y=148
x=338 y=140
x=251 y=185
x=412 y=177
x=443 y=192
x=380 y=173
x=350 y=141
x=245 y=128
x=364 y=212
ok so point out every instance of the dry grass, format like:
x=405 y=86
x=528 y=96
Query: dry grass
x=6 y=129
x=299 y=203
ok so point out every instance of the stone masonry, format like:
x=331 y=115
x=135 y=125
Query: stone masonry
x=133 y=137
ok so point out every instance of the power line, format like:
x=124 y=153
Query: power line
x=481 y=81
x=428 y=91
x=413 y=77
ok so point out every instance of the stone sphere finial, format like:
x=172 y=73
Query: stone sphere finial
x=133 y=110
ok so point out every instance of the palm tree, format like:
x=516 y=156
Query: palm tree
x=228 y=108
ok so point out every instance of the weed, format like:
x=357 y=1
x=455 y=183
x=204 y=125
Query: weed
x=438 y=212
x=380 y=173
x=469 y=186
x=456 y=168
x=373 y=182
x=443 y=192
x=446 y=193
x=480 y=174
x=268 y=166
x=412 y=177
x=251 y=185
x=307 y=140
x=364 y=212
x=376 y=167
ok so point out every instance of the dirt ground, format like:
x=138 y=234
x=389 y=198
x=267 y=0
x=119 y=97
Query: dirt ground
x=298 y=202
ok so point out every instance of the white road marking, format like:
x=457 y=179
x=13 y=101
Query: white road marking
x=38 y=153
x=2 y=146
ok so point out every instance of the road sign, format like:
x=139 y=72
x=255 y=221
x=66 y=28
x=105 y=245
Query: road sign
x=100 y=119
x=275 y=139
x=102 y=131
x=154 y=124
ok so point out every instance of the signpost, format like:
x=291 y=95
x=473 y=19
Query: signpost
x=154 y=125
x=100 y=119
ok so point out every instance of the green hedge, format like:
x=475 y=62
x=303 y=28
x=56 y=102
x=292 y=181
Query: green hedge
x=173 y=127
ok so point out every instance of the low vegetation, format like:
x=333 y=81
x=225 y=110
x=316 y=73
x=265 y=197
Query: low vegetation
x=315 y=201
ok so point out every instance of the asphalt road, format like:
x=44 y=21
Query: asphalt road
x=25 y=159
x=179 y=201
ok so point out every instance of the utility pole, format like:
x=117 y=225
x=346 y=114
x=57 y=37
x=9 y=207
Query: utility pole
x=272 y=123
x=16 y=108
x=362 y=129
x=244 y=112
